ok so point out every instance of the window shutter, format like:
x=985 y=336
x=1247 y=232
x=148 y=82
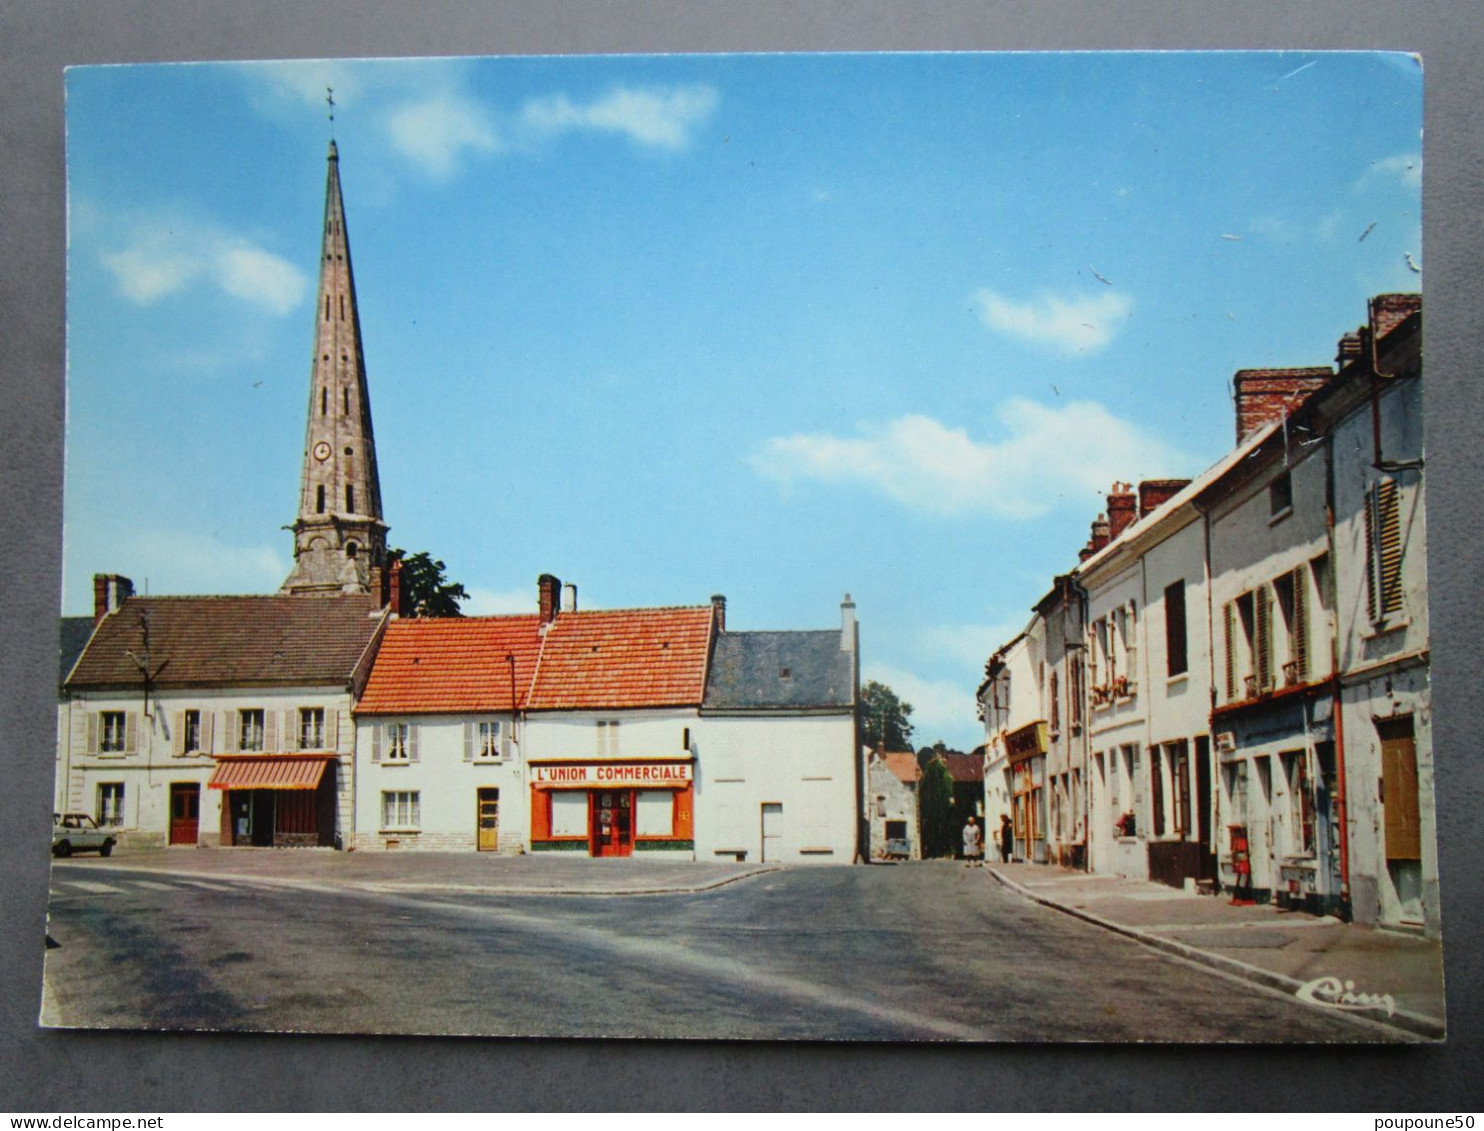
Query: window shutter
x=231 y=733
x=1300 y=649
x=332 y=728
x=1263 y=611
x=1389 y=538
x=376 y=742
x=270 y=731
x=507 y=735
x=468 y=742
x=131 y=732
x=1231 y=653
x=177 y=720
x=1373 y=606
x=92 y=732
x=412 y=729
x=1141 y=819
x=207 y=718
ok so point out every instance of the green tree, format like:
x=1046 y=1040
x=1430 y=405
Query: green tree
x=885 y=718
x=426 y=590
x=935 y=809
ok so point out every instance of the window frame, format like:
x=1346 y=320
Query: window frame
x=113 y=732
x=252 y=739
x=118 y=793
x=401 y=810
x=311 y=725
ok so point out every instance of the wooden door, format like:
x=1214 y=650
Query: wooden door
x=1399 y=789
x=185 y=812
x=489 y=820
x=772 y=830
x=612 y=819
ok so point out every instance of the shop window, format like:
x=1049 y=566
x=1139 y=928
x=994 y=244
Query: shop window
x=191 y=738
x=656 y=813
x=1300 y=803
x=400 y=809
x=311 y=728
x=250 y=729
x=111 y=803
x=569 y=813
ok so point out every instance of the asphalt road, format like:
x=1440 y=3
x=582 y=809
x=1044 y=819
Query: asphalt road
x=922 y=952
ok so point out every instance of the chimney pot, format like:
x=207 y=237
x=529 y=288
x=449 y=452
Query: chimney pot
x=1100 y=535
x=848 y=630
x=569 y=598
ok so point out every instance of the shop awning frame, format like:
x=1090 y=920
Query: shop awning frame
x=268 y=771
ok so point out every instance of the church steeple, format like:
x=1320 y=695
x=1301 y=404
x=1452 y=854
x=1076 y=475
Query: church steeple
x=339 y=536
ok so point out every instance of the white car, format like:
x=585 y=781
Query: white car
x=78 y=832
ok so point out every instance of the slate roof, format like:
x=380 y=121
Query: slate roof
x=762 y=670
x=610 y=658
x=74 y=638
x=230 y=641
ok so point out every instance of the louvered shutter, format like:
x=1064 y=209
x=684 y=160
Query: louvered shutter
x=1141 y=818
x=376 y=742
x=131 y=732
x=93 y=732
x=230 y=733
x=1231 y=653
x=178 y=721
x=412 y=729
x=1389 y=538
x=1300 y=633
x=207 y=719
x=1263 y=611
x=332 y=728
x=1373 y=606
x=468 y=742
x=507 y=735
x=270 y=730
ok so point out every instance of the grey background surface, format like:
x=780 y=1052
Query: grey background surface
x=121 y=1072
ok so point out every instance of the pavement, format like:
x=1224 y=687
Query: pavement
x=484 y=873
x=1391 y=977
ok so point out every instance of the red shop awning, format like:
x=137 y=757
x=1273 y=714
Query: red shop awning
x=271 y=771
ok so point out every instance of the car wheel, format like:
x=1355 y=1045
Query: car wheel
x=63 y=848
x=106 y=849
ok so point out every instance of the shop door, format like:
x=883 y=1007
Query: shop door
x=772 y=830
x=613 y=822
x=489 y=820
x=262 y=818
x=185 y=812
x=1403 y=813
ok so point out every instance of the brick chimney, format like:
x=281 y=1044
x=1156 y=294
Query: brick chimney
x=1100 y=535
x=719 y=611
x=110 y=590
x=1387 y=312
x=1155 y=493
x=1349 y=349
x=1123 y=509
x=549 y=591
x=1265 y=396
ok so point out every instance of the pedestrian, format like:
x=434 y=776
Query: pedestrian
x=973 y=845
x=1007 y=838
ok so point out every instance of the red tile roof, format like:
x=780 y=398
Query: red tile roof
x=618 y=658
x=216 y=641
x=903 y=765
x=451 y=665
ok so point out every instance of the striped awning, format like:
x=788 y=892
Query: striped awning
x=268 y=771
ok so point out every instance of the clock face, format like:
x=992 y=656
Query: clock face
x=321 y=450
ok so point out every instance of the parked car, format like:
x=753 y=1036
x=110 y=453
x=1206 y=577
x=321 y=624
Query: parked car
x=78 y=832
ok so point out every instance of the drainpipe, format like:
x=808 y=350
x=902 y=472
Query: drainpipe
x=1341 y=800
x=1086 y=715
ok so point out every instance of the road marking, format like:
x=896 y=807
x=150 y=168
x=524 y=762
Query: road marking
x=89 y=885
x=208 y=887
x=153 y=886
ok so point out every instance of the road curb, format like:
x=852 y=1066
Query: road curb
x=1417 y=1024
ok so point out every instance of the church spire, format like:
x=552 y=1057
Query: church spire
x=339 y=536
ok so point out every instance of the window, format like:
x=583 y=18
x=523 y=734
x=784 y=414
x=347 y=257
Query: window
x=250 y=729
x=655 y=813
x=1176 y=658
x=568 y=812
x=1178 y=754
x=111 y=803
x=400 y=809
x=1280 y=495
x=1074 y=693
x=607 y=737
x=345 y=400
x=396 y=747
x=191 y=739
x=350 y=498
x=1055 y=692
x=114 y=732
x=324 y=400
x=488 y=740
x=1292 y=593
x=1156 y=792
x=311 y=728
x=1300 y=803
x=1383 y=546
x=896 y=830
x=319 y=499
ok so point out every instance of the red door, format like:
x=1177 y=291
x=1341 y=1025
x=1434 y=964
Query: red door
x=185 y=812
x=612 y=822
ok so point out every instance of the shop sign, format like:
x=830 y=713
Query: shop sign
x=1026 y=742
x=614 y=775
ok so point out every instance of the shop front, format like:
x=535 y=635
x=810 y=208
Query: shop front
x=276 y=800
x=606 y=808
x=1025 y=751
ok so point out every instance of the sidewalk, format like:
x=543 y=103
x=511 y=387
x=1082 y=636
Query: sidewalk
x=481 y=873
x=1285 y=950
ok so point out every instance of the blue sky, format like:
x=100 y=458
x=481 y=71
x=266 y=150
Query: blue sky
x=773 y=326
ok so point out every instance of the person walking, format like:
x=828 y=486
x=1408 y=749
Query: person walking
x=973 y=845
x=1007 y=838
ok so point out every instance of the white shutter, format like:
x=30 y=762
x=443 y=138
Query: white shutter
x=230 y=733
x=412 y=729
x=207 y=718
x=332 y=728
x=92 y=745
x=376 y=742
x=178 y=721
x=131 y=732
x=468 y=742
x=270 y=731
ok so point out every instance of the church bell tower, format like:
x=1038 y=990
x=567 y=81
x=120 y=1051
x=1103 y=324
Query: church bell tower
x=339 y=536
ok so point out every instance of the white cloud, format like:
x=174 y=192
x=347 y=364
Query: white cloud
x=178 y=562
x=435 y=132
x=1048 y=455
x=661 y=117
x=968 y=644
x=1069 y=324
x=941 y=709
x=161 y=258
x=498 y=602
x=1405 y=167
